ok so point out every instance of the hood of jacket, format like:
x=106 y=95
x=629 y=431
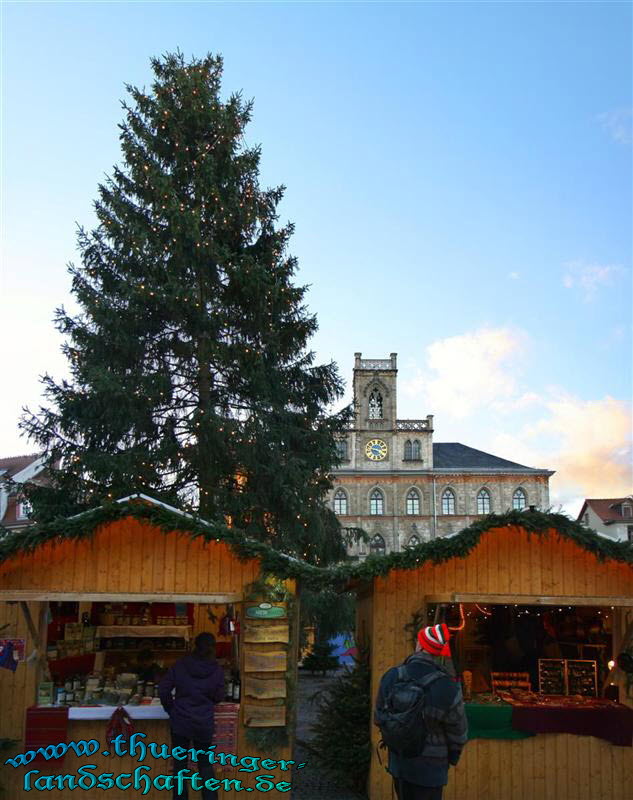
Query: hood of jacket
x=198 y=667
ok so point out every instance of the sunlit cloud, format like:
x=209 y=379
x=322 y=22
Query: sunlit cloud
x=588 y=443
x=474 y=385
x=469 y=371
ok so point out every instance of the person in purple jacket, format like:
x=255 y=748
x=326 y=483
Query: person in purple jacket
x=198 y=681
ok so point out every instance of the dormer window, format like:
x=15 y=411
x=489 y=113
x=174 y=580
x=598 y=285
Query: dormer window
x=23 y=509
x=375 y=405
x=627 y=510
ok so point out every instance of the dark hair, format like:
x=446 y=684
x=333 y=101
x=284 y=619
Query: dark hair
x=204 y=644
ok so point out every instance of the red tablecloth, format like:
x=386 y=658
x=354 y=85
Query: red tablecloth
x=608 y=721
x=44 y=726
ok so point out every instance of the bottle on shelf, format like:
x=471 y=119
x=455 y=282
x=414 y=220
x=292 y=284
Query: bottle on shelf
x=236 y=687
x=229 y=687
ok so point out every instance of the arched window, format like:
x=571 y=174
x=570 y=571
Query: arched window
x=519 y=500
x=375 y=405
x=408 y=450
x=376 y=502
x=413 y=501
x=341 y=449
x=340 y=502
x=377 y=544
x=483 y=502
x=414 y=541
x=416 y=452
x=448 y=501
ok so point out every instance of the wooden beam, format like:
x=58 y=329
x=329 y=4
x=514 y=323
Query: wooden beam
x=48 y=595
x=39 y=642
x=529 y=599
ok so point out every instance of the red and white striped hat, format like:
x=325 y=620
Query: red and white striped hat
x=434 y=640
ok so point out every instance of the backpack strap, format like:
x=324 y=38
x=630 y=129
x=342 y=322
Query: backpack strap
x=427 y=680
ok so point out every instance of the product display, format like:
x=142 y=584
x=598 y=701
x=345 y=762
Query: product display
x=116 y=653
x=568 y=677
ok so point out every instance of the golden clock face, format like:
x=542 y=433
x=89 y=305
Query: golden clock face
x=376 y=450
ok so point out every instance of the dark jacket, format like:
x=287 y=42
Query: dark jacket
x=199 y=685
x=445 y=720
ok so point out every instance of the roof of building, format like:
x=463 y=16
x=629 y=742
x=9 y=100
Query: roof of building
x=14 y=464
x=453 y=455
x=606 y=508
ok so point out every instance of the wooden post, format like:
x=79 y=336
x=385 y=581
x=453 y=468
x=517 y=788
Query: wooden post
x=39 y=641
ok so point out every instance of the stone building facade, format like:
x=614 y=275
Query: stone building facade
x=403 y=488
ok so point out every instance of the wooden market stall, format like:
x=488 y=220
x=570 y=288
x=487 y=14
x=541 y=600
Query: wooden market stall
x=82 y=601
x=536 y=576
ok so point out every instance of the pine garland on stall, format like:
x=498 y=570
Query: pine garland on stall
x=283 y=565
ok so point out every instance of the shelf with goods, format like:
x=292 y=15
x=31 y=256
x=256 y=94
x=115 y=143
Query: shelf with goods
x=143 y=632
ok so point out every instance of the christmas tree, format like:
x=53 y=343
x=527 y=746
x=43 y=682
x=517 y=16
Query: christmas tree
x=320 y=658
x=191 y=379
x=343 y=715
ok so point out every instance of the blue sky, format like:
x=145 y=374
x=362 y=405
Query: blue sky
x=459 y=176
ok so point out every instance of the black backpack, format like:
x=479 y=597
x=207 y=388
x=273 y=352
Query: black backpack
x=400 y=717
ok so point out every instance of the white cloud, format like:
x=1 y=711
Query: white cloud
x=514 y=276
x=618 y=124
x=588 y=278
x=587 y=442
x=473 y=384
x=468 y=371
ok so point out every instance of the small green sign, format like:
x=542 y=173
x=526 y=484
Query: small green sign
x=265 y=611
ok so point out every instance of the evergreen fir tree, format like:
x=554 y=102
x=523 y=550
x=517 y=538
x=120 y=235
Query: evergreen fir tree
x=191 y=377
x=320 y=658
x=344 y=715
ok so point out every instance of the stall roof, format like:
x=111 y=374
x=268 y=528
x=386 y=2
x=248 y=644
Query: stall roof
x=282 y=565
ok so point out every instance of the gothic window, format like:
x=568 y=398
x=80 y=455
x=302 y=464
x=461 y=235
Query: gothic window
x=408 y=450
x=483 y=502
x=519 y=500
x=377 y=544
x=375 y=405
x=413 y=501
x=23 y=509
x=340 y=502
x=448 y=501
x=414 y=541
x=376 y=502
x=416 y=453
x=341 y=449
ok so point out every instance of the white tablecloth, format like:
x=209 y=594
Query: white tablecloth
x=105 y=712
